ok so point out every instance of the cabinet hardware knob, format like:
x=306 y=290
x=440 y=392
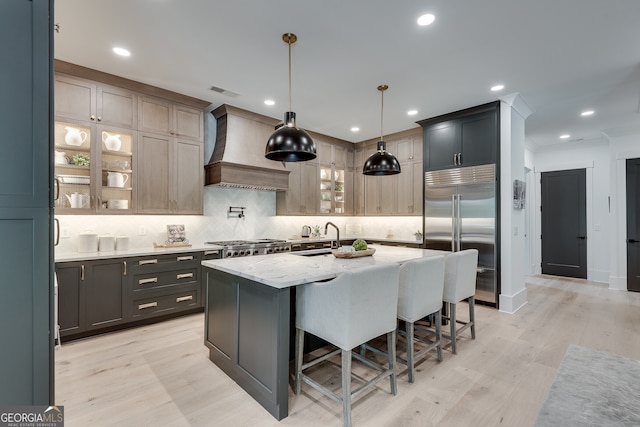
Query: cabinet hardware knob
x=92 y=117
x=145 y=281
x=99 y=118
x=187 y=298
x=185 y=258
x=184 y=276
x=147 y=261
x=147 y=305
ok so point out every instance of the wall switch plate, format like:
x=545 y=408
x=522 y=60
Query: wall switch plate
x=64 y=232
x=142 y=230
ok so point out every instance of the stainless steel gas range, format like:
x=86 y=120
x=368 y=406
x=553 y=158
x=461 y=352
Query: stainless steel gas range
x=237 y=248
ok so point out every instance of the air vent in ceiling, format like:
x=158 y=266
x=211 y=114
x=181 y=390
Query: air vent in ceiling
x=224 y=91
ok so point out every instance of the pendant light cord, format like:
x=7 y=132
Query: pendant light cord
x=289 y=43
x=381 y=113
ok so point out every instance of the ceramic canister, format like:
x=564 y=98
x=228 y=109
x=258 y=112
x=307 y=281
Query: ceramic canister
x=107 y=243
x=87 y=242
x=122 y=243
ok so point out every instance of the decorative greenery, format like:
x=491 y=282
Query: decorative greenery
x=339 y=187
x=315 y=230
x=360 y=245
x=81 y=159
x=418 y=235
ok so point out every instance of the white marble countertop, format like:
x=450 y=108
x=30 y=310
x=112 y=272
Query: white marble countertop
x=83 y=256
x=288 y=269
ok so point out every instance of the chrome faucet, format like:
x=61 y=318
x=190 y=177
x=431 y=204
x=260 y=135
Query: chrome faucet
x=337 y=232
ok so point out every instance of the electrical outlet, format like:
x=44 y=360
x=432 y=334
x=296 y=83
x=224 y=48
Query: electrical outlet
x=64 y=232
x=142 y=231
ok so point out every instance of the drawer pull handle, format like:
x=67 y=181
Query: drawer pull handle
x=187 y=298
x=145 y=281
x=185 y=258
x=82 y=272
x=211 y=253
x=184 y=276
x=147 y=261
x=147 y=305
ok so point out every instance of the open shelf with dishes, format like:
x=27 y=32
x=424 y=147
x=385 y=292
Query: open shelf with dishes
x=332 y=191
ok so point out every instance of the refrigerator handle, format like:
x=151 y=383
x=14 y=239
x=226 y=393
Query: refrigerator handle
x=454 y=222
x=458 y=222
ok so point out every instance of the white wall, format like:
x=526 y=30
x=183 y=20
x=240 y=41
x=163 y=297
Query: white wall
x=513 y=293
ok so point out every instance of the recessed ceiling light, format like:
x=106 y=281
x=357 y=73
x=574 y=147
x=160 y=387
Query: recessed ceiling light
x=497 y=88
x=121 y=51
x=565 y=136
x=426 y=19
x=587 y=113
x=355 y=129
x=412 y=112
x=269 y=102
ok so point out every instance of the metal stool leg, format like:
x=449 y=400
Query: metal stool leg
x=346 y=387
x=438 y=322
x=472 y=317
x=452 y=326
x=409 y=337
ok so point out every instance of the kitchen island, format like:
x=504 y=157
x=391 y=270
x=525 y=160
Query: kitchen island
x=248 y=313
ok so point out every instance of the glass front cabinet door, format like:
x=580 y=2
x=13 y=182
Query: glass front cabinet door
x=332 y=190
x=93 y=169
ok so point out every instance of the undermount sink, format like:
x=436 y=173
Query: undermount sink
x=313 y=252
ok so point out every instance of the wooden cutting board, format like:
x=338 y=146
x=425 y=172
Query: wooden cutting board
x=354 y=254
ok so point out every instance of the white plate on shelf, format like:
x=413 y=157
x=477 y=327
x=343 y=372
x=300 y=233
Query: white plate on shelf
x=74 y=179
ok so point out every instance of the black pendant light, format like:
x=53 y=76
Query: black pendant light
x=289 y=143
x=381 y=162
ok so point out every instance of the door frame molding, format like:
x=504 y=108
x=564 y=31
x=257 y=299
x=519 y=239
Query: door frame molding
x=536 y=224
x=618 y=276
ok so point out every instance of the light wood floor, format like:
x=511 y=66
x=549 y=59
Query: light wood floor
x=160 y=375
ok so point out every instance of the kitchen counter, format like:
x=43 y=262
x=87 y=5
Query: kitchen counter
x=250 y=310
x=290 y=269
x=83 y=256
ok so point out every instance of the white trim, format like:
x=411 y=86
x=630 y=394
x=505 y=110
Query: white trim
x=512 y=303
x=565 y=166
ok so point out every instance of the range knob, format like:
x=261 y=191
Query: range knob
x=255 y=252
x=229 y=254
x=235 y=253
x=241 y=253
x=269 y=250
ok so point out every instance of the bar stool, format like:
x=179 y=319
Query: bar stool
x=460 y=285
x=420 y=294
x=347 y=311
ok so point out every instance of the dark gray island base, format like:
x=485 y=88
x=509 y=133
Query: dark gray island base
x=247 y=333
x=249 y=311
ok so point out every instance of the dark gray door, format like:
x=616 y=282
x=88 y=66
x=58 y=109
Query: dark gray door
x=564 y=223
x=633 y=225
x=26 y=315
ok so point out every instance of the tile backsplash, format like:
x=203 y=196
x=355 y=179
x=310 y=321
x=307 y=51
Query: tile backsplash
x=260 y=221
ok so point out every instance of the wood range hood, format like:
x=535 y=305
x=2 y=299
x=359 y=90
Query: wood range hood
x=238 y=155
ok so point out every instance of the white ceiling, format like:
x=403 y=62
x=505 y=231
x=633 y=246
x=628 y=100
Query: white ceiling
x=561 y=56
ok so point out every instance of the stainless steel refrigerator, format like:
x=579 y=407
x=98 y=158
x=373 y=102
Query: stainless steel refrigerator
x=460 y=213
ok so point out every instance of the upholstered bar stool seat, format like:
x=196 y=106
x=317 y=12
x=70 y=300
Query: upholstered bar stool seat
x=420 y=295
x=460 y=285
x=355 y=307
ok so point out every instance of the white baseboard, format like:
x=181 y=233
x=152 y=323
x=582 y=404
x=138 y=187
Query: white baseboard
x=598 y=276
x=512 y=303
x=617 y=283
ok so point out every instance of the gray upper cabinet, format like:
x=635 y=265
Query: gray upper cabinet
x=465 y=138
x=409 y=183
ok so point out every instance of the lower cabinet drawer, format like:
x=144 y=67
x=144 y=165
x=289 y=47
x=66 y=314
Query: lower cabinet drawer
x=164 y=278
x=163 y=304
